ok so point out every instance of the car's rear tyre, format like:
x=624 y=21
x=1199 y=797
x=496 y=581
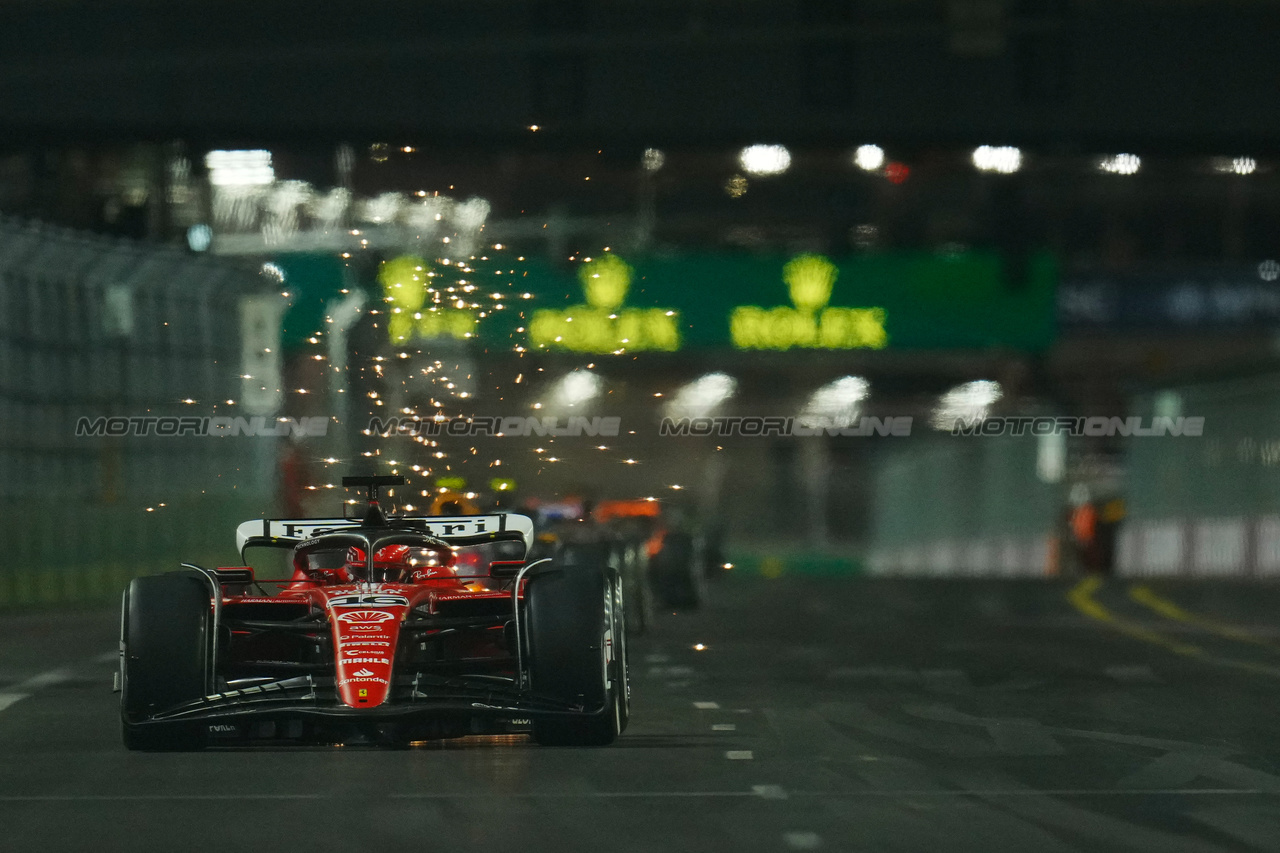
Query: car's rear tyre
x=166 y=649
x=618 y=666
x=633 y=563
x=573 y=654
x=678 y=571
x=713 y=559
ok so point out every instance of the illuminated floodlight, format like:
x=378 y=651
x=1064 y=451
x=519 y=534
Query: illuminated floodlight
x=869 y=158
x=1121 y=164
x=699 y=398
x=1235 y=165
x=1244 y=165
x=239 y=168
x=1004 y=159
x=577 y=387
x=1269 y=270
x=969 y=402
x=653 y=159
x=765 y=159
x=836 y=404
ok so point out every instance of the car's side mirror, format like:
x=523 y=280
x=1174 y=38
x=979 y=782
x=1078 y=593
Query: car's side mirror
x=234 y=575
x=505 y=568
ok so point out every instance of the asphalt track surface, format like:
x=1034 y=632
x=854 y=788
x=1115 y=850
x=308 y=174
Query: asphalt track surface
x=872 y=715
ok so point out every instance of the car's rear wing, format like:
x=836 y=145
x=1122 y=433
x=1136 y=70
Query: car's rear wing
x=456 y=529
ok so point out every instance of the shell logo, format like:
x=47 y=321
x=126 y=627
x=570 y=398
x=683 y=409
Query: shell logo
x=366 y=616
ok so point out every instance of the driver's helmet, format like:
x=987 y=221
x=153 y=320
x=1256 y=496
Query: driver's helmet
x=402 y=563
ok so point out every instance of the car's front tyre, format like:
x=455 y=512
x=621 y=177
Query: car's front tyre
x=165 y=658
x=575 y=655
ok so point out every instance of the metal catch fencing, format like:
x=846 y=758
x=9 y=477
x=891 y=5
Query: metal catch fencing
x=100 y=328
x=1206 y=505
x=963 y=506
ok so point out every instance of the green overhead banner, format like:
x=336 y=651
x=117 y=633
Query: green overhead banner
x=614 y=304
x=801 y=302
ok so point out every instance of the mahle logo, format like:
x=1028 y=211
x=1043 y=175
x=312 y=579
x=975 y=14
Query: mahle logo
x=604 y=325
x=810 y=324
x=419 y=310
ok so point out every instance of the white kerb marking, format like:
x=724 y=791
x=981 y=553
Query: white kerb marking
x=707 y=706
x=724 y=727
x=739 y=755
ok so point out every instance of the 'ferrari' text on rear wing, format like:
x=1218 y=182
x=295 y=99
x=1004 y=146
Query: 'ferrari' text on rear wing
x=460 y=529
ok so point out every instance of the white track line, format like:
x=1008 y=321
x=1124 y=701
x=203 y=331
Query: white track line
x=7 y=699
x=802 y=840
x=769 y=792
x=584 y=795
x=587 y=795
x=44 y=679
x=24 y=689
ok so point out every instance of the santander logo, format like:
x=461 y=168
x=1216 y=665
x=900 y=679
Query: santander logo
x=365 y=617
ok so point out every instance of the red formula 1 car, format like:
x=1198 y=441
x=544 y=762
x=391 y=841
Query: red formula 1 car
x=390 y=630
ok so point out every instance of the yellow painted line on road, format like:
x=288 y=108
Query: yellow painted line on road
x=1148 y=598
x=1081 y=598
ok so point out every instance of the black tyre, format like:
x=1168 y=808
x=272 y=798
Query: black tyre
x=166 y=646
x=678 y=571
x=572 y=653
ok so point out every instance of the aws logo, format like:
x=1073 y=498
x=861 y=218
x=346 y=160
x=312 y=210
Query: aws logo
x=365 y=617
x=603 y=325
x=810 y=323
x=419 y=309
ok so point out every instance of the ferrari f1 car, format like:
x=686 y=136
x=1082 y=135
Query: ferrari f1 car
x=387 y=631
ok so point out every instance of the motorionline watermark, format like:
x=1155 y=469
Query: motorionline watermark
x=765 y=426
x=219 y=427
x=1094 y=427
x=518 y=426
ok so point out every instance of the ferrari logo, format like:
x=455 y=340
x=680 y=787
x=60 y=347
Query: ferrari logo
x=364 y=692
